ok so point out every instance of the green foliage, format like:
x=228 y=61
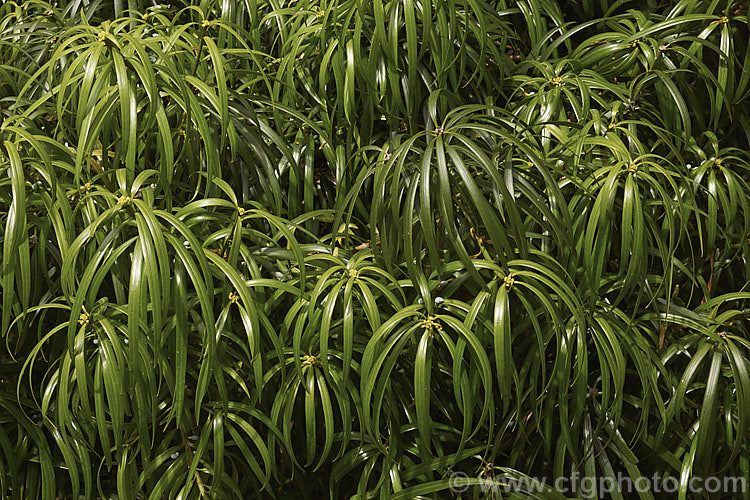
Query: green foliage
x=343 y=248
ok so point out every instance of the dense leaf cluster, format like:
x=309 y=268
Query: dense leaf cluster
x=347 y=247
